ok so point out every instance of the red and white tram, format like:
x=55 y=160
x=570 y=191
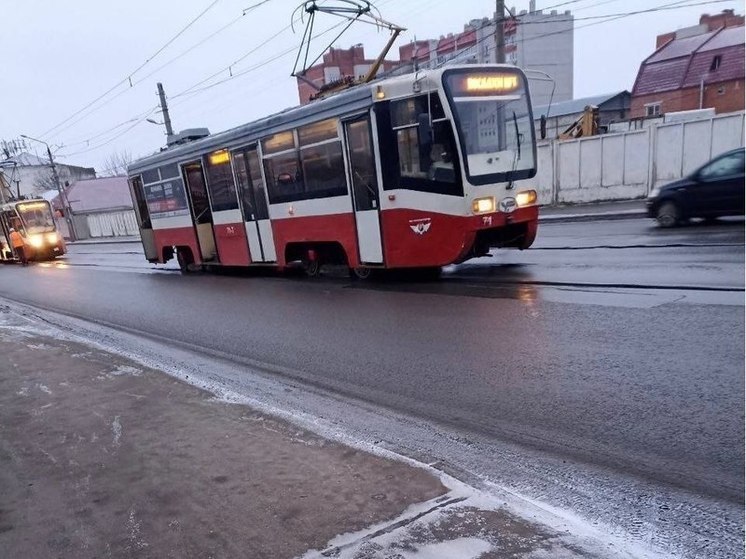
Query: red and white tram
x=421 y=170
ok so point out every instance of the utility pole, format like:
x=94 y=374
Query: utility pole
x=164 y=110
x=60 y=190
x=499 y=31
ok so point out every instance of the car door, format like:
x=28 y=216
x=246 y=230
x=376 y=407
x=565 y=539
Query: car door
x=719 y=189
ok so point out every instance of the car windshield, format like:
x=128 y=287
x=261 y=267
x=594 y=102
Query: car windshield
x=494 y=122
x=37 y=217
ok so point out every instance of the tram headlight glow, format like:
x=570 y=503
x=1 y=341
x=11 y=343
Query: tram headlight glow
x=52 y=238
x=525 y=198
x=483 y=205
x=36 y=241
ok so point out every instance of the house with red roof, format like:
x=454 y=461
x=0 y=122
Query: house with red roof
x=694 y=68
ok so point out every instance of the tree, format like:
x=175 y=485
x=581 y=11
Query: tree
x=115 y=165
x=43 y=181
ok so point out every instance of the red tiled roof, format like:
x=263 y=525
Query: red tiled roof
x=662 y=76
x=680 y=47
x=686 y=62
x=731 y=66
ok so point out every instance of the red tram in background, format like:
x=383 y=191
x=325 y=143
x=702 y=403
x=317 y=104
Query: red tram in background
x=414 y=171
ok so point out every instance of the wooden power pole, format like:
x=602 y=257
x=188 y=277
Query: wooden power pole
x=499 y=31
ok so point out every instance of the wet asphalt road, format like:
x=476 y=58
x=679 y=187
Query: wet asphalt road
x=612 y=343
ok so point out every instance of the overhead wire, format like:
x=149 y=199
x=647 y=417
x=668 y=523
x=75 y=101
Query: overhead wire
x=183 y=53
x=127 y=78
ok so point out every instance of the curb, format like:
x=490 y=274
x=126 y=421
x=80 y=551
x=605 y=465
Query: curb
x=598 y=216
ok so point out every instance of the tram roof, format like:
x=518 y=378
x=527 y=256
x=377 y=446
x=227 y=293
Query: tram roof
x=345 y=102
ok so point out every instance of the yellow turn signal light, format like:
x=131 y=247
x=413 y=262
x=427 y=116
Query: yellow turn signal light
x=525 y=198
x=483 y=205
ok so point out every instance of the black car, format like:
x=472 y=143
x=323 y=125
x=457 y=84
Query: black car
x=715 y=189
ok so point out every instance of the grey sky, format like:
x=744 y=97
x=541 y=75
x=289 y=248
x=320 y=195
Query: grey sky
x=60 y=55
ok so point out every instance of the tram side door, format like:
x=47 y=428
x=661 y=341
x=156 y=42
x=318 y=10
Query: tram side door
x=364 y=189
x=251 y=192
x=142 y=213
x=194 y=178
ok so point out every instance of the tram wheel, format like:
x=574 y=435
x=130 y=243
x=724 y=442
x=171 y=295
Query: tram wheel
x=362 y=273
x=312 y=268
x=186 y=261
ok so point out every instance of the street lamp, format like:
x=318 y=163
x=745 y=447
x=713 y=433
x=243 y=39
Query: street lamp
x=60 y=190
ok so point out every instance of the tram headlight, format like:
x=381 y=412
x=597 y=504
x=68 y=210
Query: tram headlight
x=525 y=198
x=483 y=205
x=52 y=238
x=36 y=241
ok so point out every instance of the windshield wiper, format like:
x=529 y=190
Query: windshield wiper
x=517 y=135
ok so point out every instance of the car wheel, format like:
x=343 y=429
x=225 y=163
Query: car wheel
x=668 y=214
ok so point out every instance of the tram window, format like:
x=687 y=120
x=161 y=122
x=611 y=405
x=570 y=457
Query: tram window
x=244 y=186
x=318 y=132
x=409 y=153
x=413 y=163
x=284 y=178
x=165 y=199
x=257 y=182
x=406 y=111
x=169 y=171
x=142 y=205
x=196 y=182
x=150 y=176
x=323 y=169
x=220 y=181
x=276 y=143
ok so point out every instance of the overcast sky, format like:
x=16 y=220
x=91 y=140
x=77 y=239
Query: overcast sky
x=59 y=56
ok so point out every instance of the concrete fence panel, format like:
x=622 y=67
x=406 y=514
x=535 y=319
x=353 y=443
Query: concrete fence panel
x=727 y=133
x=697 y=142
x=543 y=183
x=669 y=152
x=591 y=163
x=568 y=170
x=612 y=156
x=637 y=146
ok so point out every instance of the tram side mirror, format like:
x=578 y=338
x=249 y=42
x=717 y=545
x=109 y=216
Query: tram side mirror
x=424 y=139
x=543 y=126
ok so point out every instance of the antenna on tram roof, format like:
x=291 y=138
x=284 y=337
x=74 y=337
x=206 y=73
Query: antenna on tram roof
x=352 y=11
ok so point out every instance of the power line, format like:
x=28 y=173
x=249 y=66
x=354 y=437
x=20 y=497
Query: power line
x=136 y=83
x=117 y=136
x=129 y=76
x=625 y=14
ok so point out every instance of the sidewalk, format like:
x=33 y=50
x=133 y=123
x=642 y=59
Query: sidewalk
x=627 y=209
x=103 y=457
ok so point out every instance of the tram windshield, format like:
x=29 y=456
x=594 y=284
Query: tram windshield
x=37 y=217
x=494 y=122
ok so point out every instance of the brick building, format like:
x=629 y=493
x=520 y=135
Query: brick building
x=534 y=40
x=694 y=68
x=336 y=65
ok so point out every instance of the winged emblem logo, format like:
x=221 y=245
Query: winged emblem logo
x=420 y=226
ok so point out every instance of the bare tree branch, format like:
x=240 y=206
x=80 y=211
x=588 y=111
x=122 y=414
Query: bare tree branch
x=115 y=165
